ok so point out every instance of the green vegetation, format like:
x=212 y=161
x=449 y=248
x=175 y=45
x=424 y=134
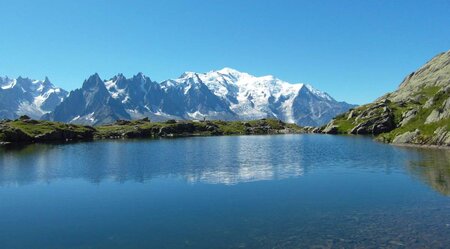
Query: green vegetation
x=418 y=108
x=27 y=130
x=189 y=128
x=34 y=128
x=418 y=122
x=429 y=92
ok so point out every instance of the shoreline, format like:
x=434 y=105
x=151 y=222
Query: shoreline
x=28 y=131
x=423 y=146
x=174 y=136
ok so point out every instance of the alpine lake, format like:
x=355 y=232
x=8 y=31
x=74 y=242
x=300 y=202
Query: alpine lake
x=277 y=191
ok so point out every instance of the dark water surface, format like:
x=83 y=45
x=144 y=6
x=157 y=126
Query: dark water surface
x=292 y=191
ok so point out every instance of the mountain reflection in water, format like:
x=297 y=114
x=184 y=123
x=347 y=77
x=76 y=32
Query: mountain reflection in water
x=433 y=167
x=227 y=163
x=228 y=160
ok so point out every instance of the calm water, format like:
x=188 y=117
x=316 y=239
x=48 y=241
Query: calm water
x=293 y=191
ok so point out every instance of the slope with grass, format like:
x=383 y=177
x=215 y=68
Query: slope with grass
x=418 y=112
x=28 y=131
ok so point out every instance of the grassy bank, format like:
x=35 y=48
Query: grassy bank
x=25 y=130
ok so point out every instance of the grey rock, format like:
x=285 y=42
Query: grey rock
x=439 y=114
x=376 y=125
x=407 y=116
x=429 y=103
x=331 y=129
x=407 y=137
x=441 y=137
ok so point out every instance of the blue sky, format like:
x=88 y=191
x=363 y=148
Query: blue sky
x=354 y=50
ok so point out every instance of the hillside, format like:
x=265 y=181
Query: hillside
x=26 y=130
x=418 y=112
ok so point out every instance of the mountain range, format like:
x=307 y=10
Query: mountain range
x=225 y=94
x=23 y=96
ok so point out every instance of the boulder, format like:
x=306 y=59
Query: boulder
x=440 y=113
x=407 y=137
x=331 y=129
x=375 y=126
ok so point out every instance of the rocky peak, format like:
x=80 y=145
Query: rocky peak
x=94 y=81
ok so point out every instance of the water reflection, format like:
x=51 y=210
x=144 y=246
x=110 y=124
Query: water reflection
x=342 y=192
x=224 y=161
x=433 y=167
x=218 y=160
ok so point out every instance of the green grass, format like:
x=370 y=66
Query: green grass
x=344 y=126
x=200 y=128
x=42 y=127
x=145 y=128
x=429 y=91
x=230 y=128
x=418 y=122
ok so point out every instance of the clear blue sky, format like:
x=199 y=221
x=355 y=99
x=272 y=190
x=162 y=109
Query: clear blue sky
x=354 y=50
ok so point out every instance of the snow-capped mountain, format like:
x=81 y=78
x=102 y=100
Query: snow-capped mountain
x=251 y=97
x=171 y=99
x=224 y=94
x=91 y=104
x=23 y=96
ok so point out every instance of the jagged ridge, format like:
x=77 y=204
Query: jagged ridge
x=226 y=94
x=23 y=96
